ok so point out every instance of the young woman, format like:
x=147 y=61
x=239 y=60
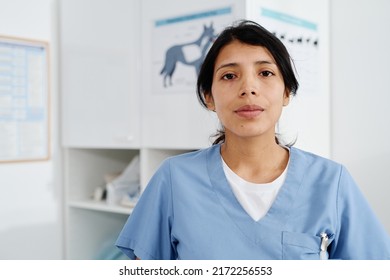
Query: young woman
x=247 y=196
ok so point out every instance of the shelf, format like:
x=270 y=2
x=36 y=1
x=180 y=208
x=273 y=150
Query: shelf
x=100 y=206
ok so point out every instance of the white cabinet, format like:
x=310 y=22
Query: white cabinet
x=100 y=87
x=172 y=41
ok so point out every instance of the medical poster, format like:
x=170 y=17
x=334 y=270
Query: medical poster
x=24 y=100
x=180 y=45
x=301 y=38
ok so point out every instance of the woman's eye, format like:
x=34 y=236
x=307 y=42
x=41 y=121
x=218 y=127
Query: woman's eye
x=266 y=73
x=228 y=76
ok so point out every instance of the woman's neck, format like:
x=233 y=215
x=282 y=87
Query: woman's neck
x=255 y=160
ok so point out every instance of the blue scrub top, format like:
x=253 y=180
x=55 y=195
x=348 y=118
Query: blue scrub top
x=188 y=211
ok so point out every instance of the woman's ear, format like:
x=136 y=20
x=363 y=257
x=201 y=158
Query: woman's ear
x=209 y=101
x=286 y=98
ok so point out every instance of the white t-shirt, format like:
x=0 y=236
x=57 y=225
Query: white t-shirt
x=256 y=199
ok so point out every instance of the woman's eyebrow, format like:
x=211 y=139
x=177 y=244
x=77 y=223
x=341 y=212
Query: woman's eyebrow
x=233 y=64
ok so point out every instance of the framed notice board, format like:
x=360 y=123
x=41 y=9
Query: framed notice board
x=24 y=100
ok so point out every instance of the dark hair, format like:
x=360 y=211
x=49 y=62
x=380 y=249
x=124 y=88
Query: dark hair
x=251 y=33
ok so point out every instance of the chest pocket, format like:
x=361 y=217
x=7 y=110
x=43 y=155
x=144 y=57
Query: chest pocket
x=300 y=246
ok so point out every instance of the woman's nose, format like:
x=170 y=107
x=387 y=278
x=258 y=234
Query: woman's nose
x=248 y=92
x=249 y=86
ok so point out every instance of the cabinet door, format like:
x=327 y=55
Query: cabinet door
x=99 y=46
x=174 y=43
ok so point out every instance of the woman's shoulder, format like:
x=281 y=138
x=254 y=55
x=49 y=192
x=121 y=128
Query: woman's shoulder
x=313 y=159
x=189 y=158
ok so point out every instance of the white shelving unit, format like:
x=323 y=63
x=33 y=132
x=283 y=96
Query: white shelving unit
x=92 y=226
x=89 y=223
x=105 y=121
x=99 y=206
x=100 y=117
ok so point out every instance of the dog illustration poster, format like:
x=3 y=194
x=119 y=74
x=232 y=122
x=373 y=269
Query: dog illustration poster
x=179 y=45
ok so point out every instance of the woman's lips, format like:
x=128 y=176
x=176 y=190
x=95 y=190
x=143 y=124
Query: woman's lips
x=249 y=111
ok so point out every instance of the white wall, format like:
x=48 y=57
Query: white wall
x=360 y=89
x=30 y=199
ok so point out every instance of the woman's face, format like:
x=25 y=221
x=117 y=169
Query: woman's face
x=248 y=91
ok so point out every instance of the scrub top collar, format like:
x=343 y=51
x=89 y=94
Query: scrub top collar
x=277 y=215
